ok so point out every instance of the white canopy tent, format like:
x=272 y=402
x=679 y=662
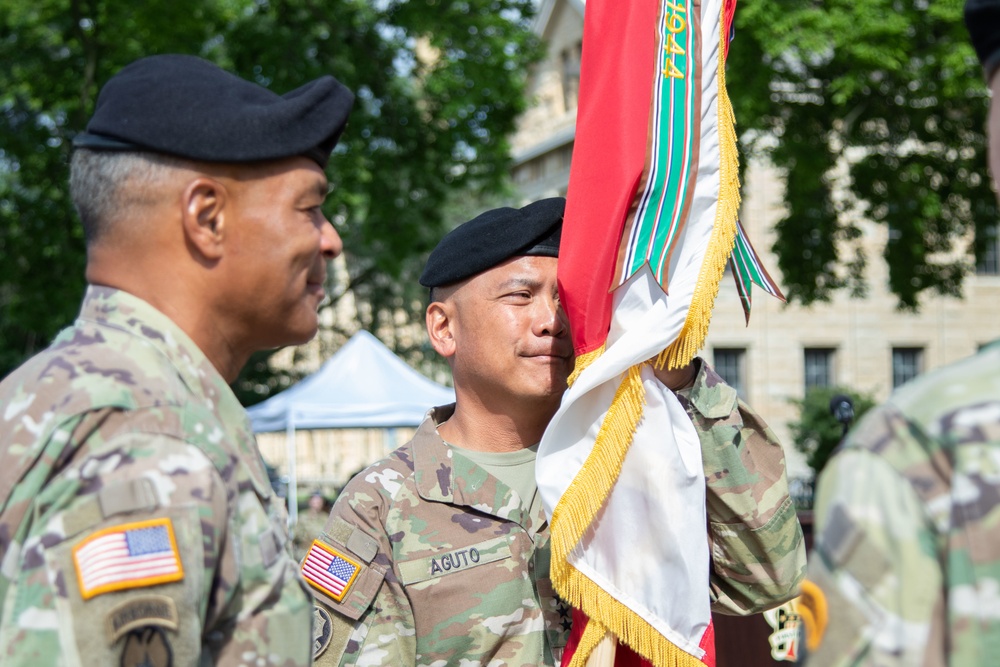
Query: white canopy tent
x=363 y=385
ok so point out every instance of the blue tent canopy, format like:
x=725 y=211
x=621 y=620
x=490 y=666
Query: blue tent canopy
x=363 y=385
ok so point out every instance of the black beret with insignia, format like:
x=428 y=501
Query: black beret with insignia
x=494 y=237
x=982 y=18
x=190 y=108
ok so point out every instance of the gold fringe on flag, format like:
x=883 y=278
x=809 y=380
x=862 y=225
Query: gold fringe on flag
x=581 y=363
x=583 y=499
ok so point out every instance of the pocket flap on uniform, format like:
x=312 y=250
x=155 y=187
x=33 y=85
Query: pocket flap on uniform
x=456 y=560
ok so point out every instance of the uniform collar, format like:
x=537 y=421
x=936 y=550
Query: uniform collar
x=443 y=475
x=120 y=310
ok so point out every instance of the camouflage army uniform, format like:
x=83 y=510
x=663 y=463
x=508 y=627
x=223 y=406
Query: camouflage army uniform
x=446 y=568
x=757 y=548
x=908 y=526
x=123 y=429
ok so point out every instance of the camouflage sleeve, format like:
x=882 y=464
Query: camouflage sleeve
x=124 y=545
x=758 y=553
x=371 y=622
x=139 y=552
x=871 y=534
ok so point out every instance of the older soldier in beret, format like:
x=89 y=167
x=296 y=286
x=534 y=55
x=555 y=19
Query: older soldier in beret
x=906 y=565
x=439 y=554
x=137 y=525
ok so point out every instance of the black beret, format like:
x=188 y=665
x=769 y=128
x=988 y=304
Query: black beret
x=188 y=107
x=493 y=237
x=982 y=18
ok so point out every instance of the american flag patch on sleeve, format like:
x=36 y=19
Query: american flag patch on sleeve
x=329 y=571
x=129 y=555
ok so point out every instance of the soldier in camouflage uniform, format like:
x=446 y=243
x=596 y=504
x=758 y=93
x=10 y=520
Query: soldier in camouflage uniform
x=137 y=523
x=906 y=566
x=309 y=524
x=439 y=554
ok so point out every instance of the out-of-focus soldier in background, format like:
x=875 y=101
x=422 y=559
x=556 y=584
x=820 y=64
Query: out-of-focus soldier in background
x=439 y=554
x=137 y=524
x=906 y=566
x=310 y=524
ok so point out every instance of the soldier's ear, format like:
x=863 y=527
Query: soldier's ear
x=203 y=216
x=440 y=320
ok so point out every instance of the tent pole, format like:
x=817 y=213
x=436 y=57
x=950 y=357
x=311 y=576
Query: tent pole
x=293 y=482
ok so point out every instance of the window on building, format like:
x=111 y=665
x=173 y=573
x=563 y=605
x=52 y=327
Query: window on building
x=989 y=264
x=566 y=156
x=730 y=363
x=907 y=363
x=818 y=367
x=570 y=58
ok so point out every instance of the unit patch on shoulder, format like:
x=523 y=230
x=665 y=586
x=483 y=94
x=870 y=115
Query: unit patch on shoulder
x=129 y=555
x=322 y=630
x=329 y=571
x=147 y=647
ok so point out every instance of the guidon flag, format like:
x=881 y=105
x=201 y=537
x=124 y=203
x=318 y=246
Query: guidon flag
x=650 y=224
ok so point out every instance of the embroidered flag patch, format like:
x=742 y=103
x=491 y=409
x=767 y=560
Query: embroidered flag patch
x=329 y=571
x=129 y=555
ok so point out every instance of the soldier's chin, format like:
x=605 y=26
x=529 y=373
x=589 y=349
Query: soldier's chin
x=301 y=334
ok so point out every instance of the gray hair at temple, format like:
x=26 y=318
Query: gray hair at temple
x=109 y=187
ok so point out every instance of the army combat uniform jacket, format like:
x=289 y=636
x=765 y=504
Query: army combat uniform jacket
x=907 y=553
x=137 y=524
x=436 y=562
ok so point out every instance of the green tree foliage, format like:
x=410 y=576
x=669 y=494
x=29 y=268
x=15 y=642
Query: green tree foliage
x=439 y=84
x=890 y=93
x=816 y=432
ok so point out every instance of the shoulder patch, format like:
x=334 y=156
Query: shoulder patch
x=322 y=630
x=129 y=555
x=329 y=571
x=147 y=647
x=158 y=610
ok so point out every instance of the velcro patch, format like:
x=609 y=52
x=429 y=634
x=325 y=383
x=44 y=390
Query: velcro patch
x=129 y=555
x=328 y=570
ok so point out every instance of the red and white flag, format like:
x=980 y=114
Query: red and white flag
x=649 y=227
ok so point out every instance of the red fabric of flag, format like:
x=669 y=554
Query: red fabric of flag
x=610 y=149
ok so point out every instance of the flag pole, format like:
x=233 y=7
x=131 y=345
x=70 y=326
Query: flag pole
x=603 y=654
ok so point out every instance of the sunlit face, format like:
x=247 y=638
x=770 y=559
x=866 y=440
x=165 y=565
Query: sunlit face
x=278 y=244
x=511 y=337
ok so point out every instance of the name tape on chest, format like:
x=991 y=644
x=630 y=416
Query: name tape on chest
x=456 y=560
x=129 y=555
x=329 y=571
